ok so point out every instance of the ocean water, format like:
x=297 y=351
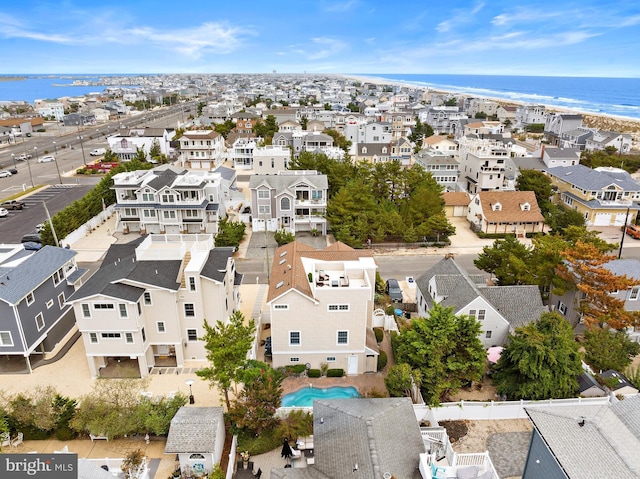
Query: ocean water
x=609 y=96
x=40 y=87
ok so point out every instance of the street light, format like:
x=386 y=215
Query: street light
x=13 y=158
x=84 y=158
x=55 y=147
x=189 y=382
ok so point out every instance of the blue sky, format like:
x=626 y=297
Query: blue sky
x=582 y=38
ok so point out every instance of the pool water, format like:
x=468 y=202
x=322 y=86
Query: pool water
x=304 y=397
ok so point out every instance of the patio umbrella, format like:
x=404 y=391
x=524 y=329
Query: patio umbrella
x=286 y=450
x=494 y=353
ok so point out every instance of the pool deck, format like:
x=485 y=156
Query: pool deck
x=307 y=394
x=364 y=383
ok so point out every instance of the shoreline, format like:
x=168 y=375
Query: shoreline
x=634 y=122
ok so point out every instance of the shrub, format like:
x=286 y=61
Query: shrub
x=314 y=373
x=324 y=367
x=335 y=373
x=379 y=332
x=283 y=237
x=382 y=360
x=298 y=368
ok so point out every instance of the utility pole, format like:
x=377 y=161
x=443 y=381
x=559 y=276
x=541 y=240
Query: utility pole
x=53 y=230
x=624 y=233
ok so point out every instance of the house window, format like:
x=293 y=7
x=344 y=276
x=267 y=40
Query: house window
x=488 y=335
x=294 y=338
x=481 y=314
x=294 y=360
x=472 y=314
x=192 y=334
x=128 y=338
x=192 y=283
x=562 y=308
x=331 y=359
x=147 y=298
x=197 y=456
x=103 y=306
x=39 y=321
x=123 y=310
x=635 y=292
x=149 y=213
x=264 y=209
x=5 y=338
x=263 y=194
x=139 y=308
x=50 y=304
x=61 y=300
x=169 y=215
x=285 y=203
x=338 y=307
x=343 y=337
x=160 y=327
x=168 y=199
x=147 y=196
x=86 y=312
x=283 y=307
x=111 y=335
x=189 y=310
x=30 y=299
x=143 y=334
x=58 y=276
x=93 y=338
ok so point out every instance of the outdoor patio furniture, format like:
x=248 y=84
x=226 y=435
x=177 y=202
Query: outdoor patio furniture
x=16 y=441
x=5 y=439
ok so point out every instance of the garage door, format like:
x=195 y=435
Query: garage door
x=602 y=219
x=620 y=219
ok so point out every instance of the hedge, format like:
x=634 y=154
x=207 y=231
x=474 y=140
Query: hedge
x=335 y=373
x=314 y=373
x=379 y=334
x=382 y=360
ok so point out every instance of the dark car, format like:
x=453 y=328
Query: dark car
x=12 y=205
x=392 y=288
x=32 y=238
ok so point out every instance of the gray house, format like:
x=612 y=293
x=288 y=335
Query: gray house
x=583 y=441
x=35 y=319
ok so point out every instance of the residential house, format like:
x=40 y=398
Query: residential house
x=443 y=118
x=126 y=142
x=444 y=167
x=316 y=125
x=584 y=440
x=530 y=115
x=575 y=138
x=589 y=387
x=499 y=309
x=316 y=142
x=554 y=157
x=402 y=152
x=556 y=124
x=481 y=105
x=241 y=153
x=79 y=119
x=507 y=113
x=604 y=196
x=440 y=143
x=516 y=212
x=482 y=128
x=202 y=149
x=622 y=386
x=270 y=159
x=148 y=301
x=49 y=108
x=373 y=152
x=36 y=321
x=482 y=164
x=321 y=306
x=289 y=125
x=601 y=140
x=197 y=436
x=456 y=203
x=293 y=200
x=169 y=200
x=290 y=139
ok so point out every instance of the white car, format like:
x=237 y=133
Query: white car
x=98 y=152
x=4 y=173
x=46 y=159
x=4 y=212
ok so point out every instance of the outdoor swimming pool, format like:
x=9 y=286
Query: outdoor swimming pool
x=304 y=397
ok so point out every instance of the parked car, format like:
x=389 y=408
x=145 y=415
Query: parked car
x=13 y=171
x=39 y=227
x=46 y=159
x=31 y=238
x=392 y=288
x=4 y=212
x=98 y=152
x=12 y=205
x=633 y=231
x=5 y=173
x=32 y=246
x=23 y=156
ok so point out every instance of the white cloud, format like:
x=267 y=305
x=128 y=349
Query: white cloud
x=329 y=47
x=460 y=17
x=630 y=21
x=341 y=6
x=527 y=16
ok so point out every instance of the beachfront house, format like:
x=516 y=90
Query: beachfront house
x=556 y=124
x=36 y=320
x=146 y=304
x=292 y=200
x=604 y=196
x=320 y=307
x=499 y=309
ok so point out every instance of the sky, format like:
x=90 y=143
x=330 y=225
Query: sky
x=493 y=37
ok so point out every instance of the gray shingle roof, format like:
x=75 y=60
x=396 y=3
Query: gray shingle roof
x=216 y=265
x=16 y=281
x=519 y=305
x=629 y=267
x=194 y=429
x=608 y=442
x=281 y=182
x=380 y=435
x=592 y=180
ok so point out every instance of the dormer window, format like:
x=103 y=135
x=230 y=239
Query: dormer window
x=497 y=207
x=525 y=207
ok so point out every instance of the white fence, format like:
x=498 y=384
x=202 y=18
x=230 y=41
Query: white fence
x=495 y=409
x=86 y=228
x=231 y=467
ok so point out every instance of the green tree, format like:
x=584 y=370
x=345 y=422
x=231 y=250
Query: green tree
x=266 y=129
x=327 y=107
x=540 y=184
x=508 y=260
x=400 y=380
x=540 y=361
x=230 y=233
x=225 y=128
x=353 y=107
x=437 y=226
x=140 y=155
x=609 y=349
x=339 y=140
x=451 y=102
x=480 y=115
x=283 y=237
x=559 y=218
x=227 y=345
x=445 y=348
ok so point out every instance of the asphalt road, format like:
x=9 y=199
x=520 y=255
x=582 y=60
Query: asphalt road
x=21 y=222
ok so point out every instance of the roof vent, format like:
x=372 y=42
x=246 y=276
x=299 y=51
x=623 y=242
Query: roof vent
x=581 y=421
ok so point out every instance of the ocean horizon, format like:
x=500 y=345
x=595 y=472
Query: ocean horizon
x=618 y=97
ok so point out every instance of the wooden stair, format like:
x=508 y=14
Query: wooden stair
x=185 y=262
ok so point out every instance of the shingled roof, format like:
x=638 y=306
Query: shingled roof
x=511 y=203
x=194 y=429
